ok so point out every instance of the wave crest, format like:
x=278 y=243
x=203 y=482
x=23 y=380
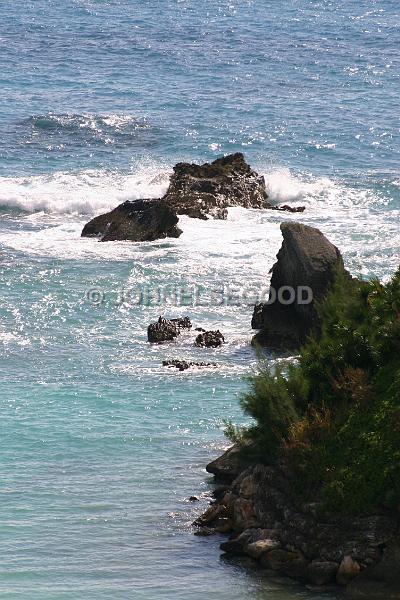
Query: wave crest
x=92 y=192
x=88 y=192
x=86 y=129
x=282 y=186
x=86 y=121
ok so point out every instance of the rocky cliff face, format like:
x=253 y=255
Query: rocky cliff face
x=306 y=265
x=266 y=522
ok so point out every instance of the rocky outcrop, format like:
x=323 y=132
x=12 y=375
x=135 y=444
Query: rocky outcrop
x=162 y=331
x=303 y=274
x=209 y=339
x=138 y=221
x=198 y=191
x=228 y=466
x=183 y=365
x=166 y=330
x=267 y=522
x=209 y=189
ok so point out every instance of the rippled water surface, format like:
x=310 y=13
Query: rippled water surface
x=100 y=446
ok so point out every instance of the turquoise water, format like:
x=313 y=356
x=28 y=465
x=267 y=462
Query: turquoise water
x=100 y=446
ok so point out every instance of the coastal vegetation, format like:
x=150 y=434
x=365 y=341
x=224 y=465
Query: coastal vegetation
x=333 y=416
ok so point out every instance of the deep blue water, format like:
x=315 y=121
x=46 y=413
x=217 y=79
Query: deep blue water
x=100 y=446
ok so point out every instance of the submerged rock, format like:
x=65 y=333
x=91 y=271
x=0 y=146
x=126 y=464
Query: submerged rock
x=209 y=189
x=137 y=221
x=204 y=532
x=183 y=365
x=210 y=339
x=303 y=274
x=287 y=208
x=291 y=563
x=322 y=572
x=382 y=580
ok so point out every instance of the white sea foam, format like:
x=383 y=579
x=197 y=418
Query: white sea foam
x=91 y=192
x=248 y=240
x=284 y=186
x=88 y=192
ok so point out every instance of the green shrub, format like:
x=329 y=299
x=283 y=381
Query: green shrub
x=272 y=406
x=335 y=415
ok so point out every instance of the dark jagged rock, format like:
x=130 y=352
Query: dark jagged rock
x=183 y=365
x=269 y=523
x=162 y=331
x=137 y=221
x=166 y=330
x=219 y=492
x=287 y=208
x=307 y=259
x=205 y=532
x=210 y=339
x=257 y=320
x=209 y=189
x=183 y=323
x=228 y=466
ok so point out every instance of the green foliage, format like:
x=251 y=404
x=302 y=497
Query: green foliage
x=272 y=405
x=335 y=415
x=235 y=434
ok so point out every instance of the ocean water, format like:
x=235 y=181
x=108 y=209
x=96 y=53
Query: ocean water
x=100 y=446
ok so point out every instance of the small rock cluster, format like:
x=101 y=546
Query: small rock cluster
x=166 y=330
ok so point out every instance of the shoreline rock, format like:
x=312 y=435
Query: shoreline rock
x=266 y=522
x=227 y=467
